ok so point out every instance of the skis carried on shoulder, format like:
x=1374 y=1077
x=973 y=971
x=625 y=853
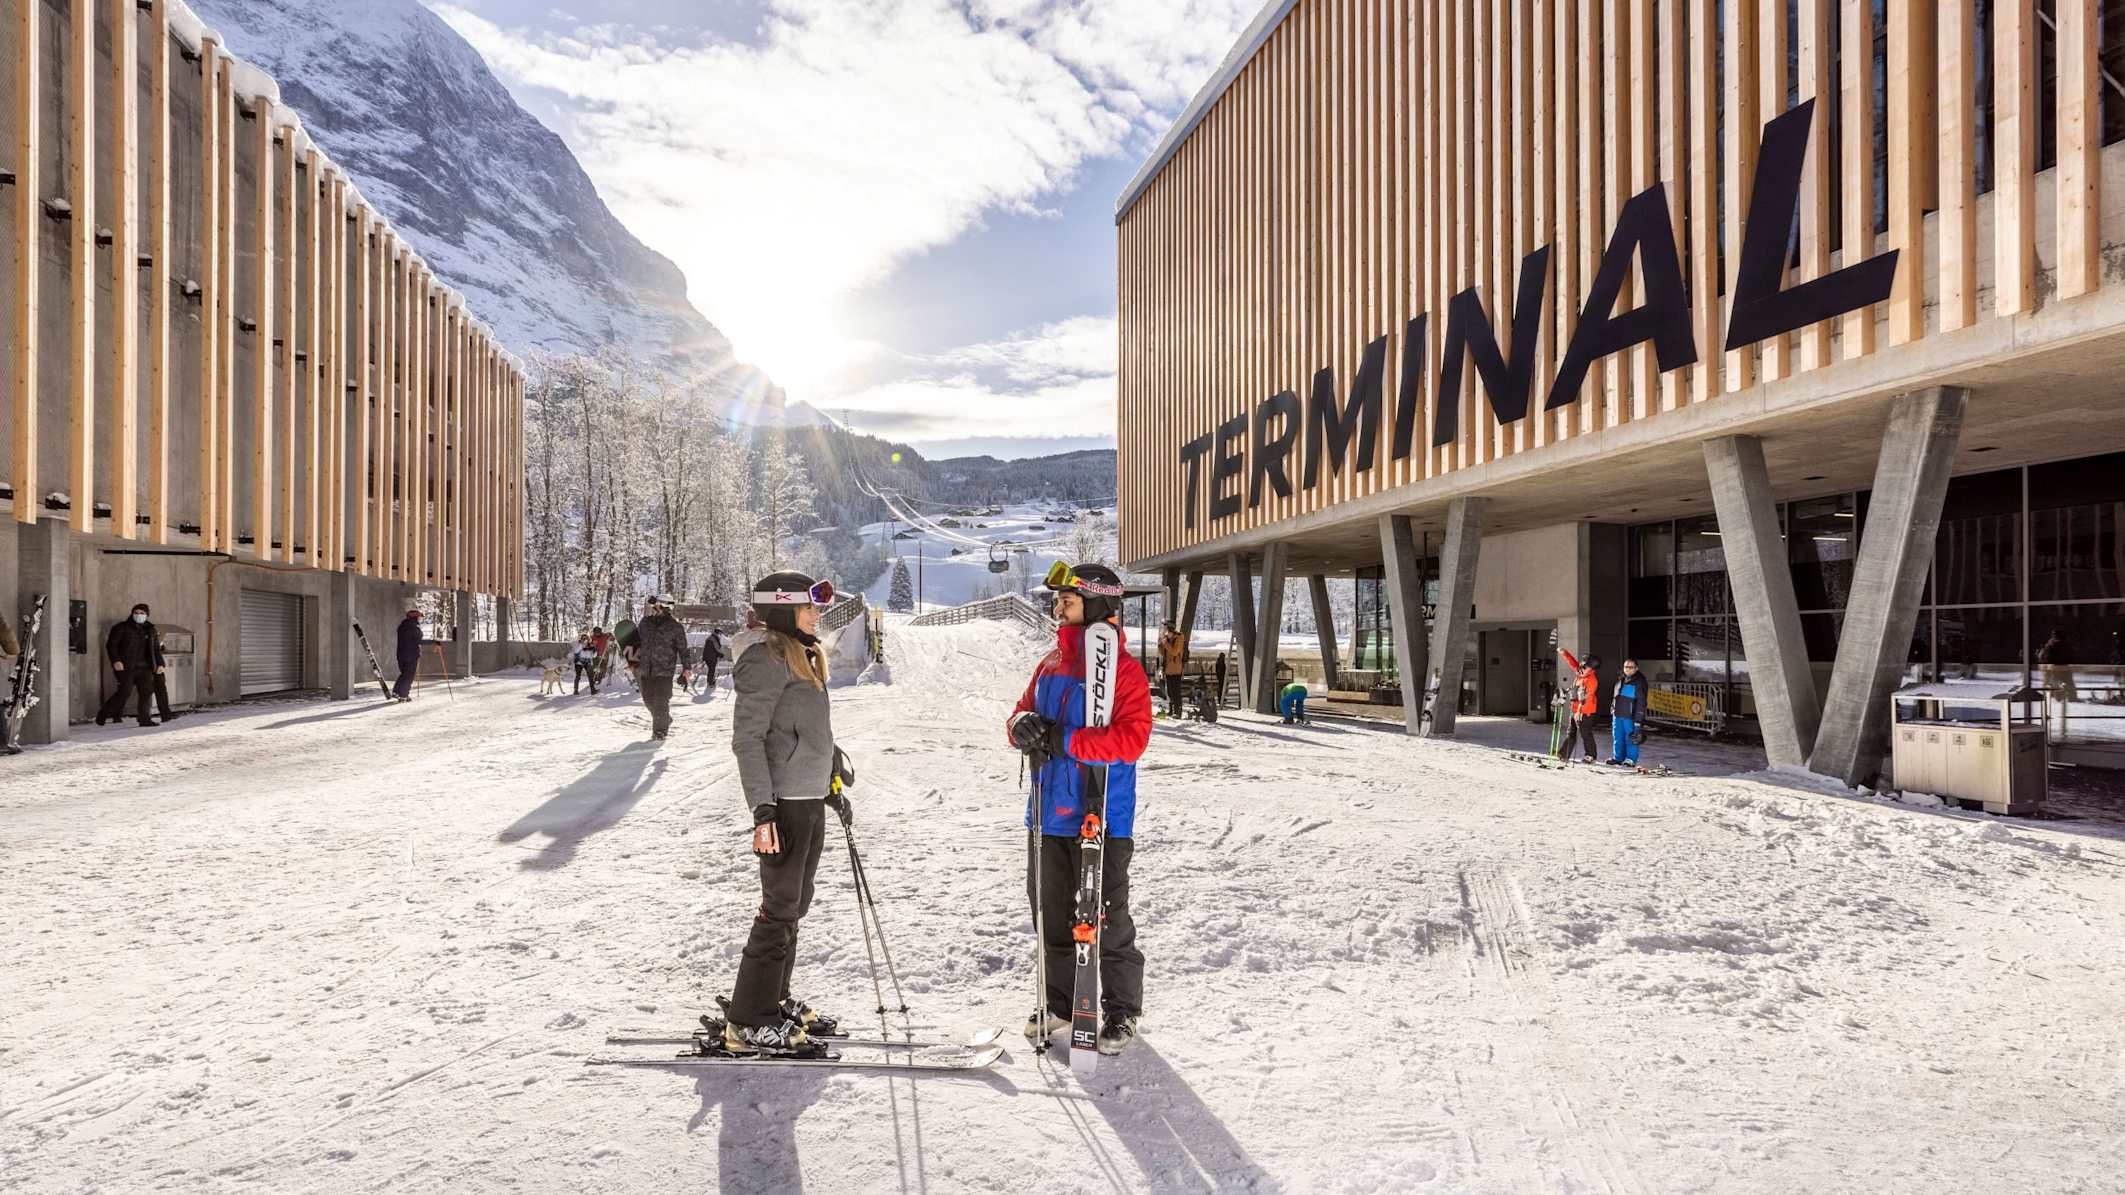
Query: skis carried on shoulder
x=1103 y=651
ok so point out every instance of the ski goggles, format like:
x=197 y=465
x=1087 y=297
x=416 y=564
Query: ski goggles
x=820 y=594
x=1060 y=577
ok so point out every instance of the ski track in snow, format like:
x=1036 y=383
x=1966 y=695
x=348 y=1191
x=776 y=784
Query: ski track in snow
x=357 y=946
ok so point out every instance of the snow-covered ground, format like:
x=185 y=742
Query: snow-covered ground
x=357 y=947
x=949 y=569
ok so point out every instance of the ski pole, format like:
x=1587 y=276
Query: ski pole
x=863 y=917
x=885 y=950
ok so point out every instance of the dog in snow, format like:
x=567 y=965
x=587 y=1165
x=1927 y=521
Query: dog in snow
x=550 y=679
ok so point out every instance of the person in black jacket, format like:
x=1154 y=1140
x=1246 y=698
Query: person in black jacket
x=135 y=649
x=711 y=652
x=409 y=654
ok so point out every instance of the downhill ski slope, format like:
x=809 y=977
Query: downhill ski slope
x=944 y=578
x=355 y=947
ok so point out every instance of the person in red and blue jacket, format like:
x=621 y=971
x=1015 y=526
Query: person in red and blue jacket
x=1048 y=724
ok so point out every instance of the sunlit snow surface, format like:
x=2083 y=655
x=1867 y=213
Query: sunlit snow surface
x=328 y=947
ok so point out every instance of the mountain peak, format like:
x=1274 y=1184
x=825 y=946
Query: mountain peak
x=491 y=198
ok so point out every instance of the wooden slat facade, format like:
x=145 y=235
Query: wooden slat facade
x=208 y=339
x=1364 y=161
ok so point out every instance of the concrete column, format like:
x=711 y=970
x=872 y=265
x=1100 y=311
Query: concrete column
x=1170 y=596
x=459 y=650
x=1269 y=632
x=1324 y=625
x=1190 y=601
x=339 y=635
x=1451 y=621
x=1895 y=553
x=504 y=654
x=1787 y=706
x=1405 y=610
x=44 y=568
x=1240 y=568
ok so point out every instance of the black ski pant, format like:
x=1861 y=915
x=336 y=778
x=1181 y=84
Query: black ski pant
x=408 y=668
x=1581 y=730
x=1173 y=694
x=137 y=683
x=656 y=694
x=1121 y=964
x=583 y=670
x=785 y=896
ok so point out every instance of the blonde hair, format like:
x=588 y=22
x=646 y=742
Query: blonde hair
x=805 y=662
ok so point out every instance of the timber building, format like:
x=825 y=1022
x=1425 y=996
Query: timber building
x=1779 y=344
x=228 y=387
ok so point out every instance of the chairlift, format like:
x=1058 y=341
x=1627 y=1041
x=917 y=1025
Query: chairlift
x=997 y=563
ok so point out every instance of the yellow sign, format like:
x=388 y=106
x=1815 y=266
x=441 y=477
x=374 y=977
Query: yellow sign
x=1671 y=704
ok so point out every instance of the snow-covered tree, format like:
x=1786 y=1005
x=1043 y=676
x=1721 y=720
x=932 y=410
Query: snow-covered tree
x=902 y=598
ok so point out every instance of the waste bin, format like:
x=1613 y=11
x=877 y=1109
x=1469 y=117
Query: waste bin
x=1970 y=741
x=180 y=673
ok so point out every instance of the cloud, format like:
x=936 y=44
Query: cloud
x=786 y=172
x=1055 y=381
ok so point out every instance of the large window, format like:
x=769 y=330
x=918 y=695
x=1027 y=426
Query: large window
x=2022 y=555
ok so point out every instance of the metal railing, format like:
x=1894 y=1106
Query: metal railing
x=1688 y=705
x=842 y=613
x=1007 y=608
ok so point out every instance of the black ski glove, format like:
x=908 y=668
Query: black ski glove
x=763 y=814
x=1035 y=735
x=840 y=805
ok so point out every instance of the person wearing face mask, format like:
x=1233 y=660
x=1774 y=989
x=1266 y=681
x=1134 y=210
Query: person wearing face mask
x=409 y=654
x=1626 y=710
x=135 y=651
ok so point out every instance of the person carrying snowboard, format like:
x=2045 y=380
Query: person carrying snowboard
x=782 y=732
x=660 y=655
x=1048 y=724
x=1588 y=678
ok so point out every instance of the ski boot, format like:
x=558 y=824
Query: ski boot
x=1116 y=1034
x=1038 y=1033
x=782 y=1037
x=815 y=1023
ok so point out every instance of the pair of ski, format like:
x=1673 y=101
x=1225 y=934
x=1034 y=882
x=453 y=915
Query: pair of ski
x=837 y=1051
x=22 y=691
x=1103 y=649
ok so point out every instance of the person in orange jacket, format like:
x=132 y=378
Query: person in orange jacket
x=1587 y=676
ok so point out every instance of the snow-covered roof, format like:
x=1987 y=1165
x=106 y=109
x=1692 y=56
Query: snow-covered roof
x=186 y=26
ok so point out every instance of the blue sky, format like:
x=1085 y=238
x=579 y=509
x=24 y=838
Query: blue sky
x=901 y=209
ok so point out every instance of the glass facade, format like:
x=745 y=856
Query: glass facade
x=2022 y=555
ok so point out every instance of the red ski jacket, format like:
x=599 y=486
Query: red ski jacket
x=1057 y=693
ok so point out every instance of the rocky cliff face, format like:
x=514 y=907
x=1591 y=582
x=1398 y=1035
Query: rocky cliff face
x=490 y=197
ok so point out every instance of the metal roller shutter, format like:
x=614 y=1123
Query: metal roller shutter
x=272 y=641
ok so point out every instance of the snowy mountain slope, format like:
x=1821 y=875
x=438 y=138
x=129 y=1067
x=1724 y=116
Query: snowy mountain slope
x=489 y=196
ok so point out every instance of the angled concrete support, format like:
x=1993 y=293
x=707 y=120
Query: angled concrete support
x=1239 y=568
x=1324 y=625
x=1787 y=706
x=45 y=569
x=1405 y=612
x=1191 y=601
x=1268 y=633
x=504 y=655
x=1169 y=598
x=339 y=635
x=1451 y=622
x=1895 y=553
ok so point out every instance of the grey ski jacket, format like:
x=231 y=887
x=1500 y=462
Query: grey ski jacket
x=782 y=729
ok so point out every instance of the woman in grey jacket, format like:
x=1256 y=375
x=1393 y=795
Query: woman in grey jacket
x=782 y=732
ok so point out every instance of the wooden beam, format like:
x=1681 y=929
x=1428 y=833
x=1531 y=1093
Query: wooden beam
x=312 y=368
x=361 y=486
x=29 y=235
x=2080 y=141
x=209 y=292
x=224 y=327
x=1774 y=352
x=1744 y=131
x=1815 y=83
x=1856 y=103
x=288 y=325
x=1956 y=225
x=2014 y=136
x=1910 y=66
x=81 y=264
x=156 y=135
x=262 y=388
x=121 y=347
x=1708 y=377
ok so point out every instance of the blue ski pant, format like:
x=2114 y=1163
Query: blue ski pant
x=1620 y=745
x=1293 y=706
x=1121 y=964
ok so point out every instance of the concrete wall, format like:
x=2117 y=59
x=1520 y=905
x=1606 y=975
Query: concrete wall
x=489 y=656
x=1524 y=576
